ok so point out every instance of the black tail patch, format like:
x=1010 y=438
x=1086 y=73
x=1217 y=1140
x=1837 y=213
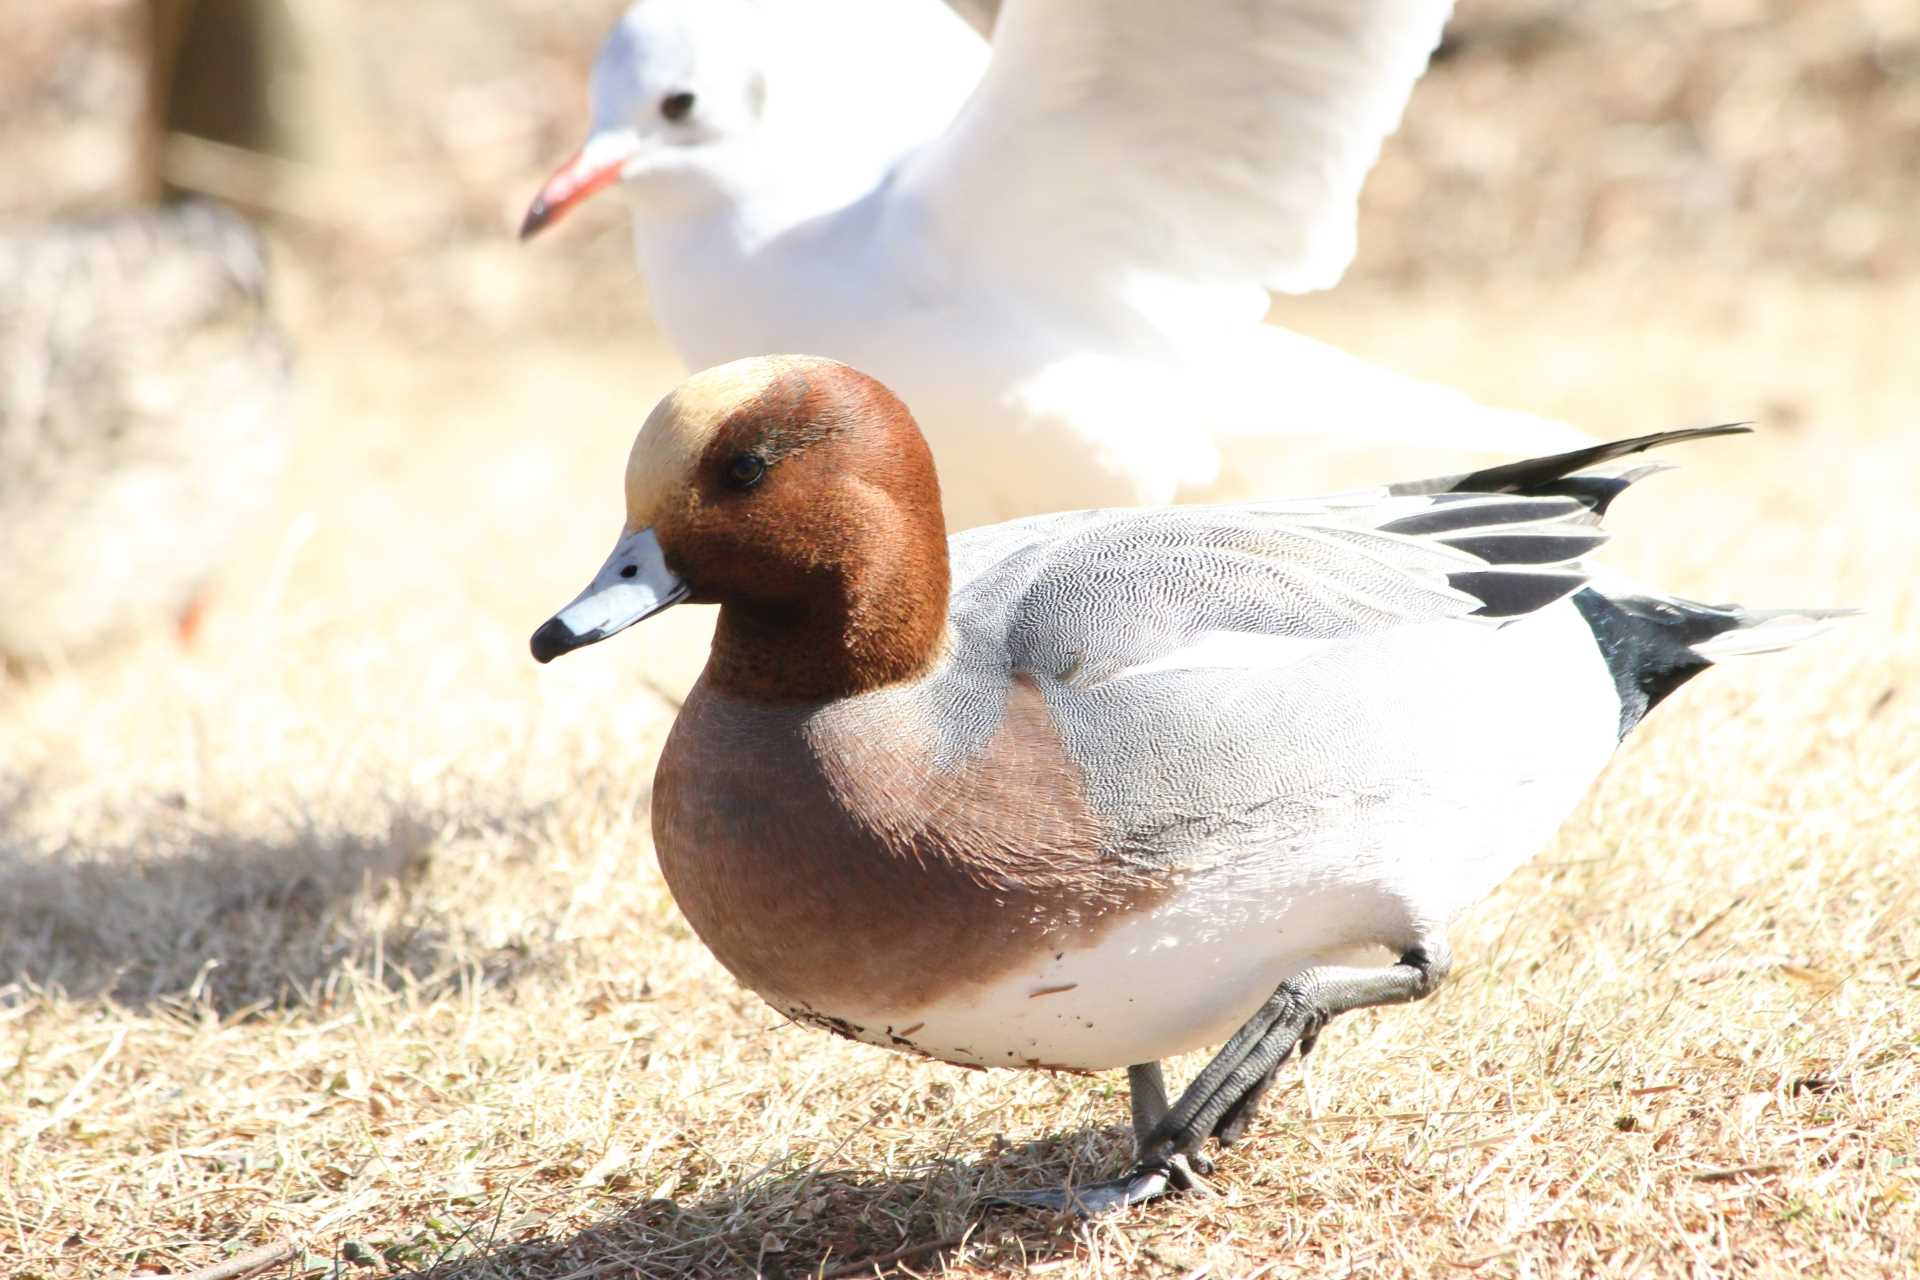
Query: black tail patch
x=1648 y=644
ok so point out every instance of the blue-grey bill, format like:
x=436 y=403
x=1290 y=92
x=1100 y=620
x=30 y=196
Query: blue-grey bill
x=632 y=585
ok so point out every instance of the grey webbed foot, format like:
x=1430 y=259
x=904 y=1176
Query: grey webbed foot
x=1145 y=1181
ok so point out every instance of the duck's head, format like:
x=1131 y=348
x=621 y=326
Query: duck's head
x=799 y=495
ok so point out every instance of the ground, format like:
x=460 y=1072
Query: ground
x=342 y=925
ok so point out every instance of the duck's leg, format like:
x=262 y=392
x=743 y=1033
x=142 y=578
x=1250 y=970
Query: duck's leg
x=1222 y=1098
x=1147 y=1087
x=1233 y=1125
x=1148 y=1090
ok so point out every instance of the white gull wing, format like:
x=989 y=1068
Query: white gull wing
x=1155 y=149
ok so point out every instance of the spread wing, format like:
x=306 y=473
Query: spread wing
x=1156 y=151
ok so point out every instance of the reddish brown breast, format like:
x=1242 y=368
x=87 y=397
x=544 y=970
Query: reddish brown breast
x=830 y=863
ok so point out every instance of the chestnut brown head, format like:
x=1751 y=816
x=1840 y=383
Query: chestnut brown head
x=798 y=495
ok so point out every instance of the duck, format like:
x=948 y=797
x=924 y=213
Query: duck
x=1083 y=791
x=1060 y=248
x=144 y=383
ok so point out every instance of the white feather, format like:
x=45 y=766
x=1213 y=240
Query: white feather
x=1105 y=135
x=1064 y=273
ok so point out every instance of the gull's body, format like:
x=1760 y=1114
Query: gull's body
x=1060 y=253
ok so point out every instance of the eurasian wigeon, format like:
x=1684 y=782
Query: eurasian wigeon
x=1083 y=791
x=1059 y=254
x=144 y=389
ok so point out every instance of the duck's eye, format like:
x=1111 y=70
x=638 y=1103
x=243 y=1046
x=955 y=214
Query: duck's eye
x=677 y=106
x=745 y=470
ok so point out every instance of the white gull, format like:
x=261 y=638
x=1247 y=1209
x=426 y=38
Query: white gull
x=1060 y=255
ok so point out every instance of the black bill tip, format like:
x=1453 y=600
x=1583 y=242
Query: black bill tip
x=539 y=214
x=555 y=638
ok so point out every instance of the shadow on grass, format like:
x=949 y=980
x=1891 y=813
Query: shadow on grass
x=813 y=1222
x=178 y=914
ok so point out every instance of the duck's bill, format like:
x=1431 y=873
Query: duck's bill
x=632 y=585
x=596 y=166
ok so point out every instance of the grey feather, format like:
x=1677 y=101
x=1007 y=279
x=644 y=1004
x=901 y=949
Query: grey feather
x=1087 y=593
x=1332 y=678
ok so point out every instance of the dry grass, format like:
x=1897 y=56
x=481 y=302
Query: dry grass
x=343 y=926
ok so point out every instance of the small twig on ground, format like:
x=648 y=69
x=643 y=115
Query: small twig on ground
x=246 y=1264
x=887 y=1259
x=1738 y=1171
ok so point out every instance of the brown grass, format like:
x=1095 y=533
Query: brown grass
x=343 y=926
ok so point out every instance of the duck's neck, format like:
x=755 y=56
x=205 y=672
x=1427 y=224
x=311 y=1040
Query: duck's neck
x=856 y=632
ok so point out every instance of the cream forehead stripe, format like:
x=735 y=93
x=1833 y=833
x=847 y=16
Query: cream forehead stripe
x=678 y=430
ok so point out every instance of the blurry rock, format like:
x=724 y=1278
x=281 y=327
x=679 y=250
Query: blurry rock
x=142 y=418
x=73 y=106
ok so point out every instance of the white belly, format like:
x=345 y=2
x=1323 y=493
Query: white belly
x=1176 y=979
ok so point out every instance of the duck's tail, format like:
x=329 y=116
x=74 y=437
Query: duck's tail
x=1654 y=644
x=1764 y=630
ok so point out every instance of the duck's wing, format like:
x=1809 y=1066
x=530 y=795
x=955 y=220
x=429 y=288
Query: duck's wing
x=1381 y=692
x=1086 y=595
x=1172 y=153
x=1092 y=597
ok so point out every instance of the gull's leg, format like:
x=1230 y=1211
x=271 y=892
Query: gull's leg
x=1222 y=1097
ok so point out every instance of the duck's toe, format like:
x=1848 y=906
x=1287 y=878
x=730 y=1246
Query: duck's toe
x=1148 y=1180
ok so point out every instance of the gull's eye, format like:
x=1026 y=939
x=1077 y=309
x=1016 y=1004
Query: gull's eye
x=677 y=106
x=745 y=470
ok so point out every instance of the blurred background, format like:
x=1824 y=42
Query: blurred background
x=394 y=147
x=325 y=786
x=1651 y=194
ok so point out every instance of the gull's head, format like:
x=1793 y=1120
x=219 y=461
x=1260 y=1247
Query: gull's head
x=679 y=91
x=695 y=100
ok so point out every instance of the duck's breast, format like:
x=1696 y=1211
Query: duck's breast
x=859 y=865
